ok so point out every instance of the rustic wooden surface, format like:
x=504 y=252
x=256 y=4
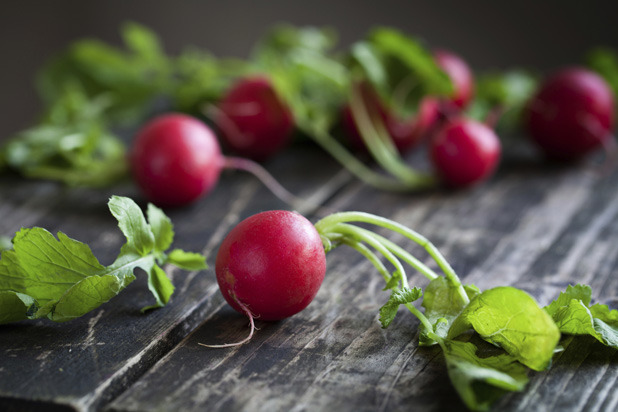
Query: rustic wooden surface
x=536 y=226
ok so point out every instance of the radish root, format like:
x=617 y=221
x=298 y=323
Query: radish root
x=245 y=340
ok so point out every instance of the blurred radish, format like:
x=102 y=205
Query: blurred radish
x=465 y=152
x=254 y=121
x=571 y=114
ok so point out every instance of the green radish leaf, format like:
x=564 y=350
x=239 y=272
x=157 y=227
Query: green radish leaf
x=60 y=278
x=370 y=61
x=161 y=227
x=131 y=77
x=283 y=40
x=88 y=294
x=582 y=293
x=574 y=316
x=160 y=286
x=187 y=260
x=5 y=243
x=393 y=282
x=133 y=224
x=442 y=302
x=44 y=267
x=200 y=78
x=482 y=380
x=510 y=318
x=71 y=144
x=311 y=82
x=142 y=41
x=14 y=306
x=604 y=61
x=508 y=92
x=397 y=298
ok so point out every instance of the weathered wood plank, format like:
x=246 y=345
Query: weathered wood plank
x=519 y=229
x=83 y=364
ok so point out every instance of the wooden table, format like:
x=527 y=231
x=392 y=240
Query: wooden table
x=536 y=226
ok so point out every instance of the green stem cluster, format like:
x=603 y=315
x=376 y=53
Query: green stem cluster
x=339 y=228
x=381 y=147
x=393 y=174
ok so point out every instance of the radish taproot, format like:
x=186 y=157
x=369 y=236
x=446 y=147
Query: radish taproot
x=176 y=159
x=465 y=152
x=571 y=114
x=253 y=120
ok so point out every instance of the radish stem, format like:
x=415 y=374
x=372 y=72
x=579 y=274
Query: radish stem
x=332 y=224
x=355 y=166
x=240 y=163
x=368 y=237
x=245 y=340
x=381 y=147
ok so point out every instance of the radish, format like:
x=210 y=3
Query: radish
x=571 y=114
x=176 y=159
x=465 y=152
x=271 y=264
x=254 y=122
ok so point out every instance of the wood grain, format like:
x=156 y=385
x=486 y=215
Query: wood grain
x=536 y=226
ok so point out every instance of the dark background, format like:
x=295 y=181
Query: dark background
x=488 y=34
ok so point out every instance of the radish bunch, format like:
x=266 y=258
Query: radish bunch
x=176 y=159
x=271 y=265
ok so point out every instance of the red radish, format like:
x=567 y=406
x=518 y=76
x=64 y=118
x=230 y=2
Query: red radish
x=254 y=122
x=271 y=265
x=571 y=114
x=176 y=159
x=460 y=74
x=465 y=152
